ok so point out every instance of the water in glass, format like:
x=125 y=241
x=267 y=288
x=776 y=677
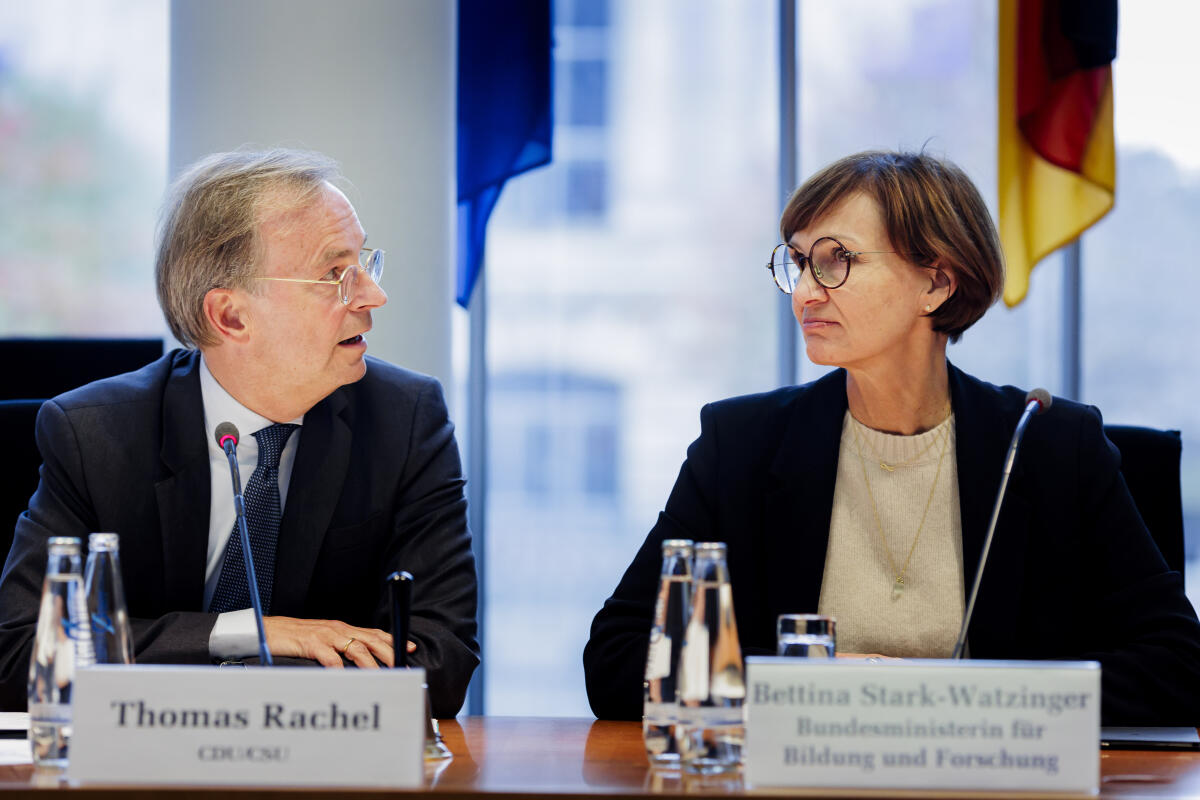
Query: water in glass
x=806 y=636
x=805 y=646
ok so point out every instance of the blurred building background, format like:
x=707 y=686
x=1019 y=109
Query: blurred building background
x=626 y=282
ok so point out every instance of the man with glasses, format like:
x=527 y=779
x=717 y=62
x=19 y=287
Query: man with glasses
x=350 y=464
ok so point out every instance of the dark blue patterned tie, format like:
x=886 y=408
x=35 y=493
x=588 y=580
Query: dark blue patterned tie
x=262 y=522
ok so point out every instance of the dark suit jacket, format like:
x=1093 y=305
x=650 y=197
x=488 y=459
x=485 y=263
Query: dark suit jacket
x=376 y=487
x=1073 y=572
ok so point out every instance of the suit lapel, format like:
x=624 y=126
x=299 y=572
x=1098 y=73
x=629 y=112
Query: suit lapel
x=183 y=496
x=983 y=429
x=799 y=501
x=322 y=462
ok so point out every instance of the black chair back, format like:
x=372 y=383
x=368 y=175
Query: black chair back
x=1150 y=460
x=47 y=367
x=35 y=369
x=16 y=419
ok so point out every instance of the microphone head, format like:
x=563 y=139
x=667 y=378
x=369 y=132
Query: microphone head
x=226 y=430
x=1042 y=397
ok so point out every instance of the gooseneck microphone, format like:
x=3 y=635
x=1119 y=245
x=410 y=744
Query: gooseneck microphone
x=1036 y=402
x=227 y=438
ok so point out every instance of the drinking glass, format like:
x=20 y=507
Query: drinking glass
x=806 y=636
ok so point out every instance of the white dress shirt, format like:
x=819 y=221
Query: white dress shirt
x=234 y=635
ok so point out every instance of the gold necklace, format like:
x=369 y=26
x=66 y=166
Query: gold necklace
x=898 y=586
x=908 y=462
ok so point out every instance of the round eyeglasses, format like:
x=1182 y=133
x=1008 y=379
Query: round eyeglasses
x=828 y=258
x=370 y=263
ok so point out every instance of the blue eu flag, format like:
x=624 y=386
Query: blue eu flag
x=505 y=114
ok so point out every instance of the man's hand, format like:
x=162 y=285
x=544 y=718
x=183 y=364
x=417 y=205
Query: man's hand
x=326 y=641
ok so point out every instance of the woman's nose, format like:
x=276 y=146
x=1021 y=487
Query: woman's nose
x=808 y=290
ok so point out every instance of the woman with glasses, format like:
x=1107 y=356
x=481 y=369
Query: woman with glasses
x=866 y=494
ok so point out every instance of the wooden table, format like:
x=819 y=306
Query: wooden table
x=574 y=758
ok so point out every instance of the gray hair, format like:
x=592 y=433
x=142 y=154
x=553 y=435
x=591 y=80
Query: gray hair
x=209 y=230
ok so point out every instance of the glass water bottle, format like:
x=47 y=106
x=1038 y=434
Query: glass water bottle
x=111 y=636
x=712 y=681
x=62 y=644
x=661 y=703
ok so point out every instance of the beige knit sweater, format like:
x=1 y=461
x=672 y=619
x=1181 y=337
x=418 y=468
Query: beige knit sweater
x=858 y=585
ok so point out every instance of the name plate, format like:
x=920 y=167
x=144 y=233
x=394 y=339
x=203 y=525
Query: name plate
x=280 y=726
x=923 y=724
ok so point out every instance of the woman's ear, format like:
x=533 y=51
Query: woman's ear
x=942 y=284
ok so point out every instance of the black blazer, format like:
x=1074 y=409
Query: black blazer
x=376 y=487
x=1073 y=572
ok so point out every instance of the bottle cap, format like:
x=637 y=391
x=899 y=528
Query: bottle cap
x=677 y=547
x=63 y=544
x=103 y=541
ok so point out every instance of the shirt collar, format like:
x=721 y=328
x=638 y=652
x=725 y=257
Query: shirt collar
x=220 y=406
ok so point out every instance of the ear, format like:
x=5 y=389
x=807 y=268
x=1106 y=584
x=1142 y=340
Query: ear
x=226 y=315
x=943 y=283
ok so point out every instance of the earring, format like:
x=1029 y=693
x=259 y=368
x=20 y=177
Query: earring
x=928 y=308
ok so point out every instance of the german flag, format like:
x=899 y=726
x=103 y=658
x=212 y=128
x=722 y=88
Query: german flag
x=1057 y=160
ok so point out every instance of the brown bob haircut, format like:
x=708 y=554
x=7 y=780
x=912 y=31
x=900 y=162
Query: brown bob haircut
x=931 y=209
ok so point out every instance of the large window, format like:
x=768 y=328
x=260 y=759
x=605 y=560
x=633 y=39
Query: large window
x=83 y=139
x=626 y=289
x=1140 y=283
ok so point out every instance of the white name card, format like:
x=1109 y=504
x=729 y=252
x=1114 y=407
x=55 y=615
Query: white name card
x=281 y=726
x=923 y=724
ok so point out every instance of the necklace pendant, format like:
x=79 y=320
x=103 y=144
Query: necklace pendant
x=898 y=588
x=887 y=467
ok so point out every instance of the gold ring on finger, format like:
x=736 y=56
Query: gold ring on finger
x=346 y=646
